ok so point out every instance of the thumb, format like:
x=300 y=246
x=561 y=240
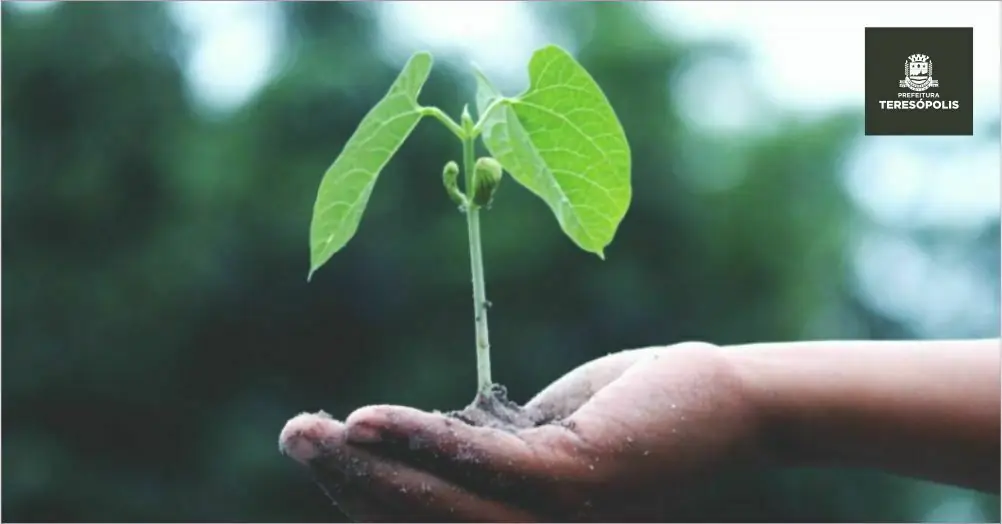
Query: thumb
x=564 y=396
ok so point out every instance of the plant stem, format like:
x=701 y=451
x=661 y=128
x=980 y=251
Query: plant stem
x=477 y=129
x=477 y=268
x=449 y=123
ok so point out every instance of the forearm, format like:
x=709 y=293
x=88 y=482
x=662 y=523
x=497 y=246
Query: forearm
x=921 y=409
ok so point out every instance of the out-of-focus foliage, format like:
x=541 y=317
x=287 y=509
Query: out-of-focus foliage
x=159 y=329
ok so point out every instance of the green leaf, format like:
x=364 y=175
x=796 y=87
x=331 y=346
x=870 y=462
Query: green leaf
x=347 y=184
x=562 y=141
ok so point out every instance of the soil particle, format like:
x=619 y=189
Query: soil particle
x=494 y=410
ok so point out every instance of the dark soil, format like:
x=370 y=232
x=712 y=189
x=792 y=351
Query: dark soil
x=496 y=411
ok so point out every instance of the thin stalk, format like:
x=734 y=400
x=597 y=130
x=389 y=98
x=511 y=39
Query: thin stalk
x=477 y=129
x=477 y=269
x=449 y=123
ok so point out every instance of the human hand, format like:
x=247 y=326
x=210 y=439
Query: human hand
x=637 y=432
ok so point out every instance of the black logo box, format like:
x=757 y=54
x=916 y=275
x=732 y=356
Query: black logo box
x=951 y=51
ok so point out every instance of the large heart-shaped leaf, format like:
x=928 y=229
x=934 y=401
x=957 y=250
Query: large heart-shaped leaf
x=346 y=186
x=561 y=140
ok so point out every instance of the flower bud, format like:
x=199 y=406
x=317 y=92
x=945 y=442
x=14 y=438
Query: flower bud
x=450 y=176
x=486 y=179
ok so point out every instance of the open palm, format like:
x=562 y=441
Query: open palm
x=632 y=431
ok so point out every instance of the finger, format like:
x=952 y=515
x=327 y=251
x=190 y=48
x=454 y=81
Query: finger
x=374 y=489
x=423 y=496
x=528 y=467
x=307 y=438
x=441 y=437
x=568 y=393
x=352 y=499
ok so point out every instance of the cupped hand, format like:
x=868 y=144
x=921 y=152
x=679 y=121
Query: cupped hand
x=634 y=433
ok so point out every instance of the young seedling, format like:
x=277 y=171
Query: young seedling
x=560 y=139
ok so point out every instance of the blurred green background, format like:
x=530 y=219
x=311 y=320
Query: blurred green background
x=160 y=330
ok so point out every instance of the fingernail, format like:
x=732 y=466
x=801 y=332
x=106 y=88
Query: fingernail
x=300 y=436
x=362 y=433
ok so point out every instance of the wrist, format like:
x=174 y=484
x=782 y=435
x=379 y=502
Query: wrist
x=730 y=394
x=779 y=435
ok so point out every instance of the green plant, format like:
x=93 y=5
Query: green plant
x=560 y=139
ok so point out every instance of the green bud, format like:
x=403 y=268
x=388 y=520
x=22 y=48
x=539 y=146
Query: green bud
x=486 y=179
x=450 y=176
x=466 y=120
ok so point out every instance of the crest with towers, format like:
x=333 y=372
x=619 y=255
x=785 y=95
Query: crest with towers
x=918 y=73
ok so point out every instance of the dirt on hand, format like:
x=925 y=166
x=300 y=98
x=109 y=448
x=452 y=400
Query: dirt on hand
x=494 y=410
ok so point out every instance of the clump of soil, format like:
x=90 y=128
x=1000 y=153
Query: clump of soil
x=494 y=410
